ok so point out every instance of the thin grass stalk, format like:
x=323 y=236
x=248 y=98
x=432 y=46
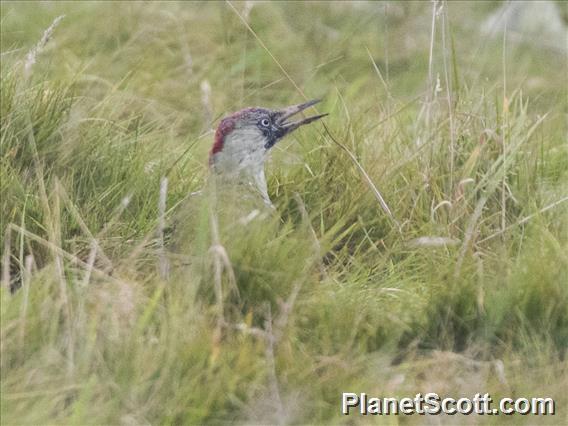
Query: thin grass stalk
x=386 y=42
x=431 y=89
x=525 y=219
x=217 y=264
x=6 y=258
x=431 y=50
x=205 y=88
x=90 y=263
x=367 y=179
x=378 y=71
x=273 y=378
x=164 y=267
x=26 y=283
x=449 y=96
x=506 y=130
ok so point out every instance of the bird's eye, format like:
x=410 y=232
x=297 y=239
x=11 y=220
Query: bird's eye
x=265 y=122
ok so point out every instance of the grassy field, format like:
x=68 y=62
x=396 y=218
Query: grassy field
x=107 y=117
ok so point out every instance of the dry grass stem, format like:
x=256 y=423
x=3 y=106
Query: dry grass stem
x=273 y=378
x=524 y=220
x=164 y=267
x=6 y=258
x=32 y=55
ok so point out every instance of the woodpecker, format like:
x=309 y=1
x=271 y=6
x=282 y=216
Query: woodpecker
x=243 y=140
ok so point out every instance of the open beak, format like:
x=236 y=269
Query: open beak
x=285 y=127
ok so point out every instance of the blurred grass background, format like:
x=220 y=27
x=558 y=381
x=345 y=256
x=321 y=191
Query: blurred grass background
x=463 y=133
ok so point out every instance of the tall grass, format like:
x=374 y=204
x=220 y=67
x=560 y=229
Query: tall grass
x=132 y=295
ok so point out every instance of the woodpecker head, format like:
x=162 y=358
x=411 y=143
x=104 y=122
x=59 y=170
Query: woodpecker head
x=243 y=138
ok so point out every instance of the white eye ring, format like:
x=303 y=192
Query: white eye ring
x=265 y=122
